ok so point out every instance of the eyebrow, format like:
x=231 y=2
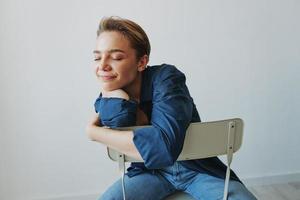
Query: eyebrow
x=110 y=51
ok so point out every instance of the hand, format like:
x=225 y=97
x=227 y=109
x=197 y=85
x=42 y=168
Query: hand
x=118 y=93
x=94 y=121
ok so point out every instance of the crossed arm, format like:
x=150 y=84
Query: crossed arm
x=160 y=144
x=121 y=141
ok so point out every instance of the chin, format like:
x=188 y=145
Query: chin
x=108 y=87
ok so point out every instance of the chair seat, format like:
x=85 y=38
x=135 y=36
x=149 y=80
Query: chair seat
x=179 y=196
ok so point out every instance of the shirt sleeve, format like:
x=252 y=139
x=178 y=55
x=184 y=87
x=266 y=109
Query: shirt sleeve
x=161 y=143
x=116 y=112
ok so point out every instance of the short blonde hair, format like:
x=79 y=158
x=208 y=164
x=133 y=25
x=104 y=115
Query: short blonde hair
x=131 y=30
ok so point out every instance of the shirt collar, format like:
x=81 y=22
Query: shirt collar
x=146 y=89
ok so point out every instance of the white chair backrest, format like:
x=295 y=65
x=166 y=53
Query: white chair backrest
x=202 y=140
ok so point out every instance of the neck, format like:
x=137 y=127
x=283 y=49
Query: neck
x=134 y=88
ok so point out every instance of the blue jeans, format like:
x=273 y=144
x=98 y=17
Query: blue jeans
x=164 y=182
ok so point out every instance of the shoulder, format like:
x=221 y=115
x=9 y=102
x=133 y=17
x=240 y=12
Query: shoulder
x=165 y=71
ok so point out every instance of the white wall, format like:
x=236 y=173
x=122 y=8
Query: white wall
x=241 y=59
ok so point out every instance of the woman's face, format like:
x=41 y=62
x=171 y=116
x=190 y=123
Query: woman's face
x=115 y=61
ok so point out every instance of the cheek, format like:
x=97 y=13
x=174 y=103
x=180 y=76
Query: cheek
x=96 y=69
x=128 y=75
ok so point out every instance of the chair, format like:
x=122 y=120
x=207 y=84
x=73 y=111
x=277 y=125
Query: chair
x=202 y=140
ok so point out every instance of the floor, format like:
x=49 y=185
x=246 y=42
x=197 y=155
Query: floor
x=286 y=191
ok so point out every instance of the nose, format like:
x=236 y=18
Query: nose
x=103 y=65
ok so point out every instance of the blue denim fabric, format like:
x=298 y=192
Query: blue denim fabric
x=166 y=101
x=121 y=113
x=161 y=183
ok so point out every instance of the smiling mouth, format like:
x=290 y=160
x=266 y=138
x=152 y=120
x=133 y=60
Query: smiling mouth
x=107 y=78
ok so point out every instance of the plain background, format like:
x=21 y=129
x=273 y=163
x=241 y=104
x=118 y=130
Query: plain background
x=241 y=59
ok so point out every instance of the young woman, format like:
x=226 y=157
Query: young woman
x=132 y=94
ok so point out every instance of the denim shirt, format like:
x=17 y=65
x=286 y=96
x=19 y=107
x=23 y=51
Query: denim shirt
x=166 y=101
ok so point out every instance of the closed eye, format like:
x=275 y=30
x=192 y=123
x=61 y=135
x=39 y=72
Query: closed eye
x=118 y=58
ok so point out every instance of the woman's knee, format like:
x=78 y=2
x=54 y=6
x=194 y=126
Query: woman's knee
x=205 y=186
x=143 y=186
x=114 y=192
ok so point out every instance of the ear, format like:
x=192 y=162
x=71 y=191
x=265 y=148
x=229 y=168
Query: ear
x=142 y=64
